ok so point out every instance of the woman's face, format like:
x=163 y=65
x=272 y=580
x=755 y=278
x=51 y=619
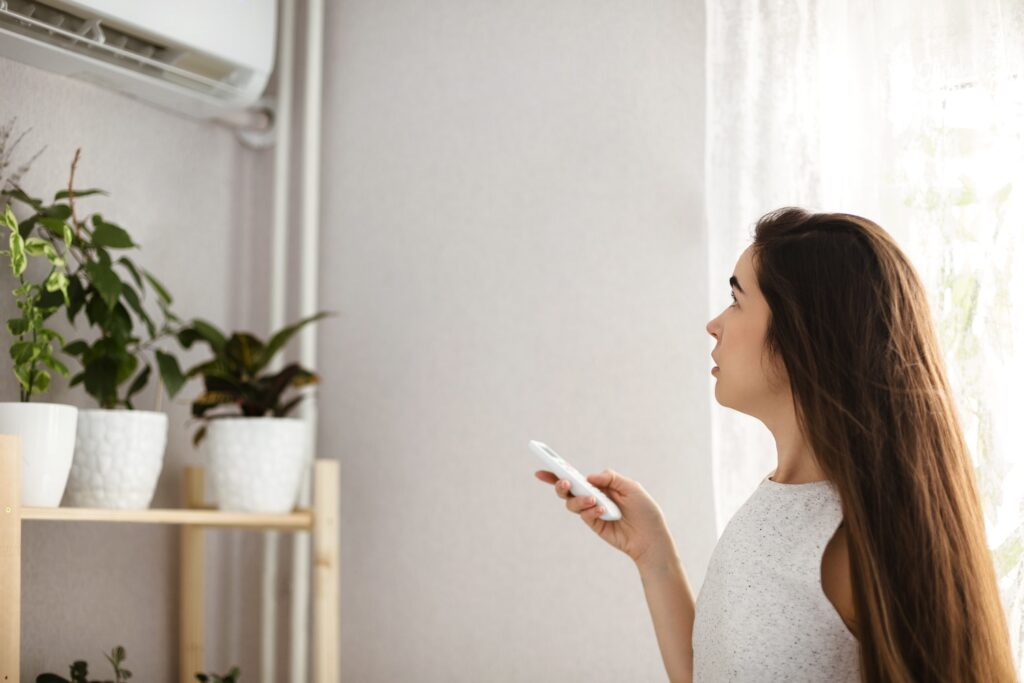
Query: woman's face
x=743 y=380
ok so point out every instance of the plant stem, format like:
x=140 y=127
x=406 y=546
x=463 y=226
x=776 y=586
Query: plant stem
x=71 y=194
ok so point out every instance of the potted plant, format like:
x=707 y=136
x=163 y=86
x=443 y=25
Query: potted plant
x=47 y=430
x=230 y=677
x=119 y=449
x=79 y=671
x=256 y=455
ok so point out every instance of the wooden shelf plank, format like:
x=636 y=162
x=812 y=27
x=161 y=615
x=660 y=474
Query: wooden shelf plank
x=298 y=520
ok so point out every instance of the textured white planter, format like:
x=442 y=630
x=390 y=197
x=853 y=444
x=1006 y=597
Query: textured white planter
x=256 y=463
x=118 y=458
x=47 y=432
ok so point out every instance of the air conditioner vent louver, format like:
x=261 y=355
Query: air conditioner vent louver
x=213 y=74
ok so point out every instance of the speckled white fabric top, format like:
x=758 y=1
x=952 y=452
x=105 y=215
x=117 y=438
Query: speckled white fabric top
x=761 y=613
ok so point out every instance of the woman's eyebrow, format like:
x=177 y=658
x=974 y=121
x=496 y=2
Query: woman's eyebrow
x=733 y=282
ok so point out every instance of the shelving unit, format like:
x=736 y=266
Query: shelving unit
x=193 y=518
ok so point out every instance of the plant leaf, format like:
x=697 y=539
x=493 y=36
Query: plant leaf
x=54 y=226
x=58 y=211
x=18 y=259
x=36 y=246
x=118 y=324
x=23 y=352
x=139 y=382
x=208 y=399
x=55 y=365
x=126 y=366
x=124 y=261
x=57 y=281
x=160 y=289
x=76 y=298
x=105 y=281
x=244 y=349
x=170 y=372
x=208 y=367
x=17 y=326
x=281 y=338
x=10 y=220
x=197 y=437
x=77 y=347
x=101 y=379
x=110 y=235
x=64 y=194
x=200 y=329
x=40 y=382
x=133 y=301
x=19 y=194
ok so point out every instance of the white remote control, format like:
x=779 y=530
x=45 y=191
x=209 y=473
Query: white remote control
x=553 y=462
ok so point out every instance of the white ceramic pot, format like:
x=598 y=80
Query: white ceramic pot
x=47 y=432
x=256 y=463
x=118 y=458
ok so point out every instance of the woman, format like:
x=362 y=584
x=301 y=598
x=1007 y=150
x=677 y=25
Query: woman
x=862 y=556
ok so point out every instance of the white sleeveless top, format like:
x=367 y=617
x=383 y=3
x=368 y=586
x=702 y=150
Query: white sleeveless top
x=761 y=614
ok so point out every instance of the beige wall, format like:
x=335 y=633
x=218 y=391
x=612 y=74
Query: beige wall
x=513 y=234
x=513 y=239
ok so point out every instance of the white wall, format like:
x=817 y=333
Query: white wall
x=513 y=239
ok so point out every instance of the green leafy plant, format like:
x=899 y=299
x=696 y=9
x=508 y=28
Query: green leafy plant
x=33 y=346
x=235 y=375
x=32 y=352
x=110 y=290
x=229 y=677
x=80 y=671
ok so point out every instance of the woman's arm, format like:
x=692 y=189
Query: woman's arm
x=672 y=607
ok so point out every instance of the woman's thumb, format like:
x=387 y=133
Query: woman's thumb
x=607 y=479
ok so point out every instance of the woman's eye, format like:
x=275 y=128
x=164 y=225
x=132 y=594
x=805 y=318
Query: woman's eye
x=733 y=295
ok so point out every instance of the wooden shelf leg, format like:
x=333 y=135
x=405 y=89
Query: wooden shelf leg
x=326 y=609
x=10 y=558
x=192 y=551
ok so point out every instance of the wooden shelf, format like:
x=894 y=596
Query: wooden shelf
x=321 y=522
x=301 y=519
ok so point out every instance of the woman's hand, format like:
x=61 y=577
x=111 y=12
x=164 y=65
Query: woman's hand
x=640 y=533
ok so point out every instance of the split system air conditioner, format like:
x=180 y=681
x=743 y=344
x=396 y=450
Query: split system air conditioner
x=200 y=58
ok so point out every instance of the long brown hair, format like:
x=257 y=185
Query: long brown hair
x=851 y=324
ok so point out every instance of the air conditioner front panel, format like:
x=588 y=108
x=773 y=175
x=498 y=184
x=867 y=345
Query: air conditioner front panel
x=233 y=30
x=150 y=54
x=162 y=93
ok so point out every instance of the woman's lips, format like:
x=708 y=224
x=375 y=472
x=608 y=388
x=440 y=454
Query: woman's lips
x=714 y=369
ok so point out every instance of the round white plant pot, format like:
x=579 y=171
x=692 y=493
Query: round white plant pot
x=47 y=432
x=256 y=463
x=118 y=458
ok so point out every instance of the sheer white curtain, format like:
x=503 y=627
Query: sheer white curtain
x=911 y=114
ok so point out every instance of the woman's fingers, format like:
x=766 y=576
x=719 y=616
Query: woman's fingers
x=546 y=476
x=561 y=485
x=586 y=506
x=580 y=503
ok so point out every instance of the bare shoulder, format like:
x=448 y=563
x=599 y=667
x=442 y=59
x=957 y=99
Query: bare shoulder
x=835 y=578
